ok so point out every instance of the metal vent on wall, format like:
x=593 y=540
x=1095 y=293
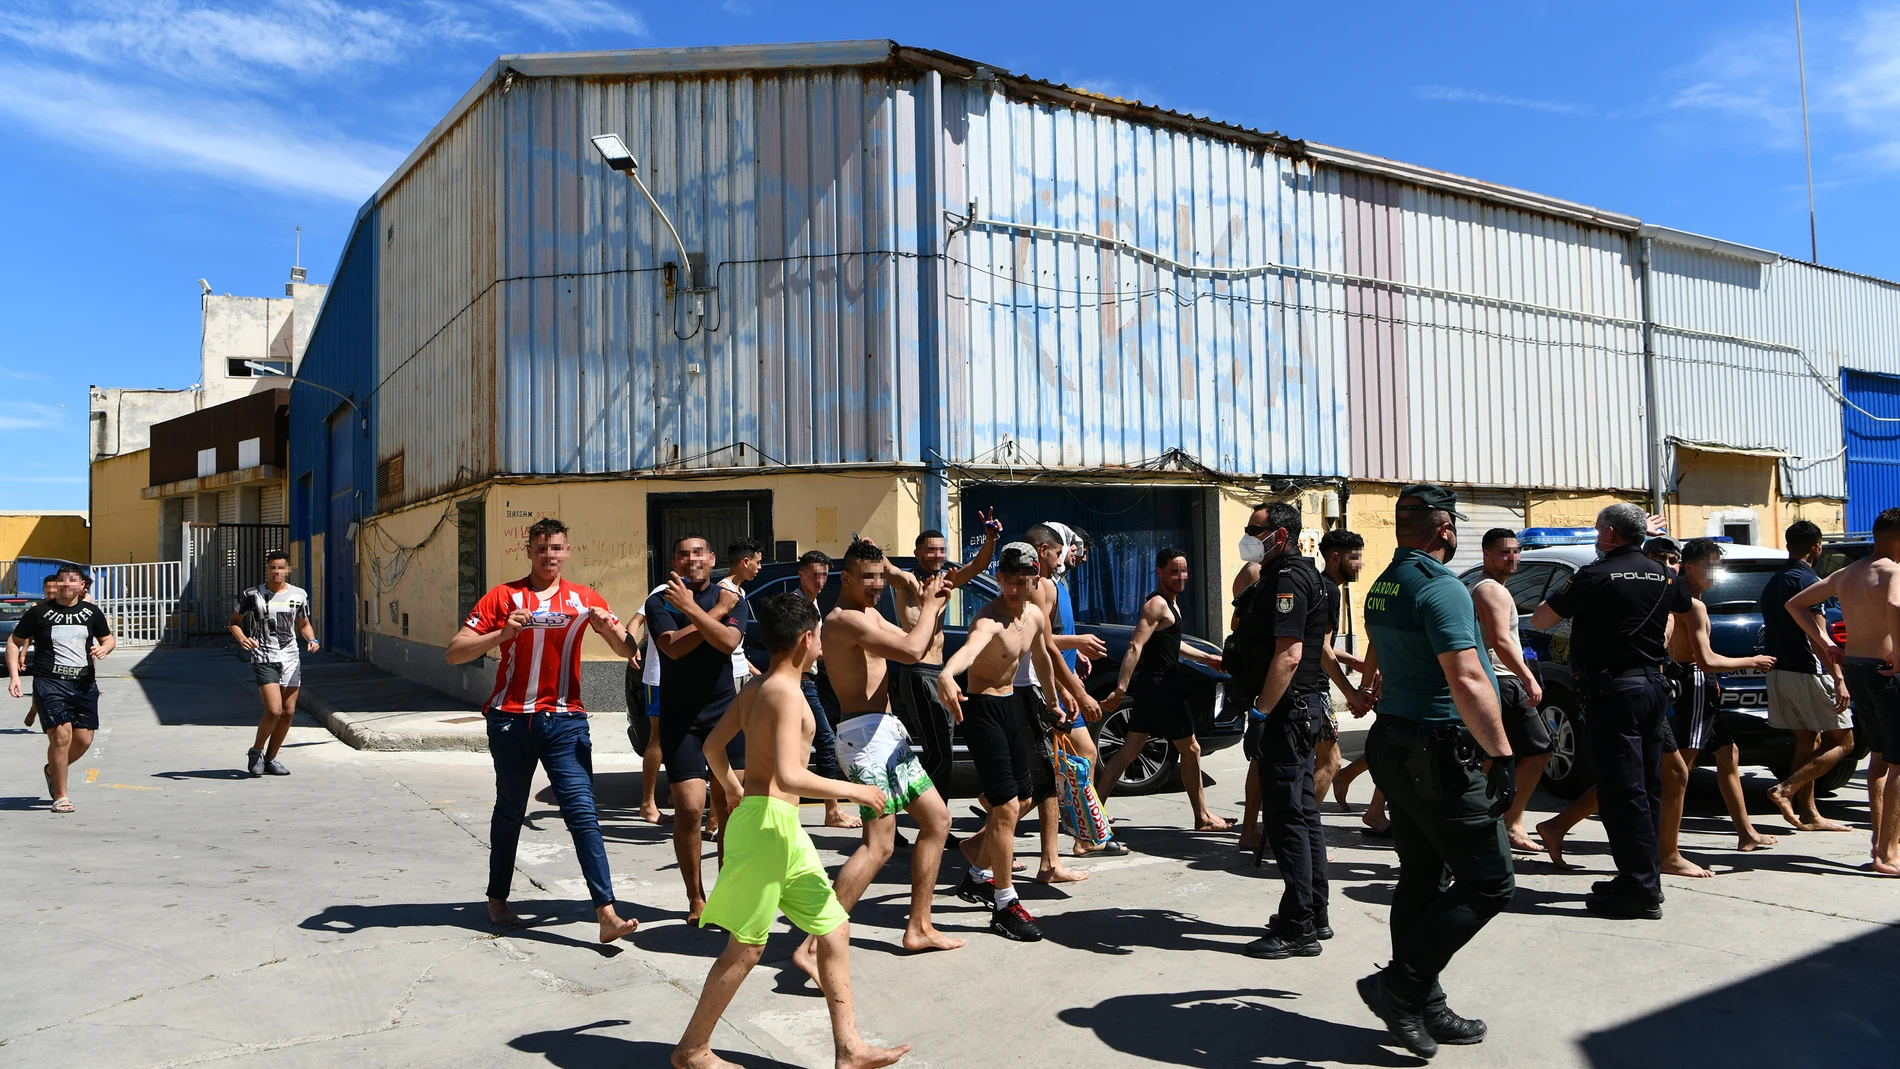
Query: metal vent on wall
x=389 y=478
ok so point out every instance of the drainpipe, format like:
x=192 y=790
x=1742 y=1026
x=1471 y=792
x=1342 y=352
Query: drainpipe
x=930 y=327
x=1652 y=383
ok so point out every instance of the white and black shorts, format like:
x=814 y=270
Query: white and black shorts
x=1695 y=709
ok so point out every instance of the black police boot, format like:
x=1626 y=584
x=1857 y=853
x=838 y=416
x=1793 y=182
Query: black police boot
x=1321 y=929
x=1273 y=946
x=1623 y=907
x=1403 y=1020
x=1447 y=1027
x=1615 y=885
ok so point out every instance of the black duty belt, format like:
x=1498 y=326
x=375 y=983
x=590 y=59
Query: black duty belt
x=1625 y=673
x=1400 y=725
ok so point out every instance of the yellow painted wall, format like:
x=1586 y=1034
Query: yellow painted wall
x=607 y=527
x=32 y=535
x=124 y=523
x=1564 y=508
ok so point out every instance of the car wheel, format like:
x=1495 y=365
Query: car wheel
x=1569 y=772
x=1151 y=771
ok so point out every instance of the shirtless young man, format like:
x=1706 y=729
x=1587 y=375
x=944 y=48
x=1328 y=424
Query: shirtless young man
x=916 y=684
x=873 y=748
x=1694 y=726
x=770 y=861
x=1869 y=593
x=1054 y=543
x=1007 y=629
x=1520 y=695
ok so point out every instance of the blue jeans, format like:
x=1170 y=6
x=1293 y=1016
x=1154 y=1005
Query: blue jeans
x=825 y=738
x=560 y=742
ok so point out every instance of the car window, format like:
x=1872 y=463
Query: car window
x=968 y=600
x=1528 y=585
x=1738 y=585
x=1835 y=556
x=13 y=610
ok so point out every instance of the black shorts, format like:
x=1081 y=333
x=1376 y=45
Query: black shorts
x=61 y=701
x=1524 y=725
x=993 y=733
x=1876 y=706
x=1162 y=713
x=683 y=747
x=1695 y=709
x=1042 y=749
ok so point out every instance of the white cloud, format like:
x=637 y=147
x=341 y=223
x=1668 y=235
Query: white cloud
x=1868 y=96
x=30 y=415
x=579 y=16
x=133 y=128
x=1453 y=94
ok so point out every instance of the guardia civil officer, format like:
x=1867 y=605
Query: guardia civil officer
x=1445 y=812
x=1619 y=607
x=1280 y=632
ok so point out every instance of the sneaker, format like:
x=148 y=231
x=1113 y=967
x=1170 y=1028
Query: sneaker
x=1273 y=947
x=254 y=763
x=1016 y=923
x=1405 y=1022
x=275 y=767
x=1447 y=1027
x=1623 y=907
x=1615 y=885
x=983 y=892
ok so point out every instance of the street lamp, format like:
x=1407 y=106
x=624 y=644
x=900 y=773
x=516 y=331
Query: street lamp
x=615 y=154
x=274 y=371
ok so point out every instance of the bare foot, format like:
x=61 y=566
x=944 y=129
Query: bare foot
x=1521 y=840
x=1755 y=842
x=1553 y=842
x=1248 y=842
x=968 y=849
x=806 y=957
x=929 y=939
x=866 y=1057
x=836 y=817
x=613 y=927
x=694 y=907
x=1784 y=801
x=1339 y=797
x=1682 y=866
x=1379 y=826
x=699 y=1059
x=499 y=913
x=1886 y=868
x=1210 y=822
x=1060 y=874
x=1817 y=822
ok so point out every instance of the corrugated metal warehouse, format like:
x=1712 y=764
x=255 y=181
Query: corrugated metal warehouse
x=924 y=286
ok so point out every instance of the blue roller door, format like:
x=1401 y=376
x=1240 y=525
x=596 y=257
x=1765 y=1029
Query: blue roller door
x=1873 y=446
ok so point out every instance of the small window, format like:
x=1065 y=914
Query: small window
x=389 y=479
x=1742 y=534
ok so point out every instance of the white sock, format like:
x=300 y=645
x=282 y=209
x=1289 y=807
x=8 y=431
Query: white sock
x=1005 y=897
x=982 y=875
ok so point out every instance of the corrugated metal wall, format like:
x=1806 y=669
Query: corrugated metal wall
x=1084 y=355
x=1750 y=355
x=1510 y=353
x=342 y=356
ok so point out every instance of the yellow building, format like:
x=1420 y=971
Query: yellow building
x=57 y=534
x=126 y=524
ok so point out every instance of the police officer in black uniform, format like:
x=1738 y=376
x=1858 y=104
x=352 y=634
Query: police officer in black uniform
x=1282 y=620
x=1438 y=718
x=1619 y=607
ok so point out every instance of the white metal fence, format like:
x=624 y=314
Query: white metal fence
x=140 y=600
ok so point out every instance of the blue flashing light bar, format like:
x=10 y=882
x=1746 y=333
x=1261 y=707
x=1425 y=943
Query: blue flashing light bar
x=1544 y=537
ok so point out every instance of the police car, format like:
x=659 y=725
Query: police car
x=1551 y=554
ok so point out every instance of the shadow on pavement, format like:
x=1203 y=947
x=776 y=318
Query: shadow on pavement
x=1847 y=994
x=203 y=686
x=19 y=803
x=204 y=773
x=578 y=1048
x=1218 y=1029
x=473 y=916
x=1112 y=930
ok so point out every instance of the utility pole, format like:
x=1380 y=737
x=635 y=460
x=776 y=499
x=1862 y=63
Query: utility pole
x=1801 y=65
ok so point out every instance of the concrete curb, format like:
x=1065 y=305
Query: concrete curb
x=362 y=731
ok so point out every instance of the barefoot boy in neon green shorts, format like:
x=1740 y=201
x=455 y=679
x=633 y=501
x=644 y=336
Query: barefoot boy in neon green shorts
x=771 y=864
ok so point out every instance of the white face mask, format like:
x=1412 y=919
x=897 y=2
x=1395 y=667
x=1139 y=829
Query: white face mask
x=1252 y=550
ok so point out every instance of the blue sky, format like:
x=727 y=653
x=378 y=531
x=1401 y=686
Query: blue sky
x=153 y=142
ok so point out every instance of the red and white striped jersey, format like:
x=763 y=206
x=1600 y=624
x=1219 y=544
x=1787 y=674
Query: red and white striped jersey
x=541 y=667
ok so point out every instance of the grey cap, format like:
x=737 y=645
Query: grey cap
x=1662 y=544
x=1018 y=557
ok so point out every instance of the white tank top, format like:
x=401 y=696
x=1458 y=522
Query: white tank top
x=1489 y=652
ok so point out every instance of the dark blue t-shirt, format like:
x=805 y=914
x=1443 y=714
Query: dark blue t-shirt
x=1781 y=637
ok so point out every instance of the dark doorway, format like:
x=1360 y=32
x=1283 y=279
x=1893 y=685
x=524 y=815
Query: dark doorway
x=720 y=518
x=1126 y=525
x=337 y=628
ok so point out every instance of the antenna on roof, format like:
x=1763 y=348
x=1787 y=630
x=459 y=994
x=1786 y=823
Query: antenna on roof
x=296 y=269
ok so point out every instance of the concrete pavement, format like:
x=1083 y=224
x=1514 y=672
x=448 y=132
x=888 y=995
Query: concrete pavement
x=186 y=915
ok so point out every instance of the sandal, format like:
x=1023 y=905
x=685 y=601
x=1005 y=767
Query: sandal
x=62 y=805
x=1111 y=848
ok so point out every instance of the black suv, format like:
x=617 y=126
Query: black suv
x=1157 y=767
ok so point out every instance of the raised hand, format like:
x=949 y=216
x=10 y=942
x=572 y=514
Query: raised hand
x=992 y=527
x=518 y=619
x=678 y=594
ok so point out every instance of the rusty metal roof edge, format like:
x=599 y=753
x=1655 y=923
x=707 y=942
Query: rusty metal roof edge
x=794 y=55
x=442 y=126
x=1471 y=187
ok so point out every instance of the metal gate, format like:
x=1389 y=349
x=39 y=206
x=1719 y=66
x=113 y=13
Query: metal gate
x=1873 y=445
x=221 y=560
x=140 y=600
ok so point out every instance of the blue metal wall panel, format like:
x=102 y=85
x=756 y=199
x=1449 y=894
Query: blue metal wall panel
x=1871 y=427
